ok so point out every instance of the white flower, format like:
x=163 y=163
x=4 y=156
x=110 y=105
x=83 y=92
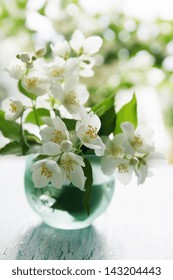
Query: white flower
x=46 y=171
x=12 y=108
x=123 y=170
x=89 y=46
x=87 y=130
x=61 y=49
x=71 y=95
x=55 y=132
x=16 y=69
x=141 y=173
x=72 y=165
x=85 y=48
x=36 y=82
x=114 y=150
x=114 y=147
x=60 y=69
x=142 y=169
x=154 y=159
x=120 y=166
x=136 y=141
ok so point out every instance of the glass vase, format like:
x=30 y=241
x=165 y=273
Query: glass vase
x=70 y=214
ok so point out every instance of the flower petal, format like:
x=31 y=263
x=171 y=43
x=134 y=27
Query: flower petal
x=124 y=177
x=77 y=177
x=71 y=66
x=61 y=48
x=71 y=82
x=59 y=124
x=82 y=94
x=57 y=178
x=155 y=159
x=57 y=91
x=12 y=108
x=128 y=130
x=92 y=45
x=86 y=62
x=94 y=120
x=78 y=159
x=142 y=173
x=39 y=180
x=50 y=149
x=47 y=134
x=35 y=82
x=16 y=69
x=108 y=165
x=86 y=73
x=77 y=41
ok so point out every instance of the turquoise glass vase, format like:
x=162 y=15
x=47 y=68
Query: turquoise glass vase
x=70 y=214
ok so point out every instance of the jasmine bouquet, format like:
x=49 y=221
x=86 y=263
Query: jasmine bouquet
x=60 y=127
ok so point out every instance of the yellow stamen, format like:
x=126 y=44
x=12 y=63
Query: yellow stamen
x=138 y=141
x=92 y=132
x=71 y=98
x=123 y=168
x=46 y=172
x=116 y=151
x=68 y=167
x=13 y=107
x=57 y=137
x=32 y=82
x=56 y=71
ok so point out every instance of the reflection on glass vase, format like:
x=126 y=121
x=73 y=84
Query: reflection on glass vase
x=69 y=213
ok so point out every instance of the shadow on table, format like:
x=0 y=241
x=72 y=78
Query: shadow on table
x=46 y=243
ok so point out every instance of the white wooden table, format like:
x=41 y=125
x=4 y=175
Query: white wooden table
x=137 y=225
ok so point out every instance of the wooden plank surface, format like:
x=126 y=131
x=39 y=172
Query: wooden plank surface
x=137 y=225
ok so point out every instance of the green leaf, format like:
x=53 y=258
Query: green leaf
x=70 y=124
x=10 y=129
x=41 y=112
x=12 y=148
x=31 y=138
x=70 y=199
x=25 y=92
x=101 y=108
x=88 y=185
x=20 y=148
x=34 y=143
x=108 y=122
x=128 y=113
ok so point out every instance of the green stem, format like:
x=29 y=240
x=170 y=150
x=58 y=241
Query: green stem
x=78 y=149
x=23 y=141
x=35 y=113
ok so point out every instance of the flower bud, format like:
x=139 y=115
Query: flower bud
x=24 y=57
x=40 y=52
x=66 y=146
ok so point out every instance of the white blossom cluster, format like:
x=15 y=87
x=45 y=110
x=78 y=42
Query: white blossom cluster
x=131 y=151
x=62 y=157
x=63 y=164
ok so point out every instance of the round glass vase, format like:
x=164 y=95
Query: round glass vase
x=70 y=214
